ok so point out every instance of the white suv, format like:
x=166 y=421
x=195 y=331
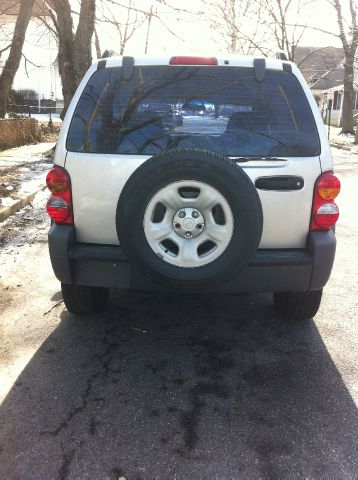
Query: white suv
x=235 y=194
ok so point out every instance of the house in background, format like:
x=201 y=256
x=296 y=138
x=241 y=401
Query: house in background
x=324 y=72
x=330 y=87
x=314 y=62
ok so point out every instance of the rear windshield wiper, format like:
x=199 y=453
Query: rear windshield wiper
x=258 y=159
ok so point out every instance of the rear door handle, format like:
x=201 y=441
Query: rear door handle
x=282 y=183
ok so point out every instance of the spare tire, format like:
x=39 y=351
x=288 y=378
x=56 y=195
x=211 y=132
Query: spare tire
x=189 y=219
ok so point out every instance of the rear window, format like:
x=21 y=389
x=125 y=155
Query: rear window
x=223 y=109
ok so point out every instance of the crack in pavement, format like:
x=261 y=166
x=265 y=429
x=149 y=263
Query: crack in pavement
x=67 y=457
x=105 y=359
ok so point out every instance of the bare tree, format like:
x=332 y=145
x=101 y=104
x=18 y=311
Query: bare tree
x=238 y=24
x=155 y=13
x=13 y=61
x=349 y=39
x=74 y=46
x=126 y=19
x=282 y=19
x=129 y=16
x=258 y=26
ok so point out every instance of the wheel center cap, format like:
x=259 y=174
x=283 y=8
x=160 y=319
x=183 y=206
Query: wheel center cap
x=188 y=222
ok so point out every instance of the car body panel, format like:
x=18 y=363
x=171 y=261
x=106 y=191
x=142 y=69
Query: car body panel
x=96 y=187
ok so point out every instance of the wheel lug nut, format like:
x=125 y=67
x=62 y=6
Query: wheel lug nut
x=187 y=234
x=195 y=214
x=181 y=214
x=199 y=226
x=177 y=226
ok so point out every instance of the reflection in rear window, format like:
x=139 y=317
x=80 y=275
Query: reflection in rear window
x=223 y=109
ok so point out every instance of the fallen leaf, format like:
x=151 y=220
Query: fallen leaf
x=136 y=329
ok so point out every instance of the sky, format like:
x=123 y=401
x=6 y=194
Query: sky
x=192 y=35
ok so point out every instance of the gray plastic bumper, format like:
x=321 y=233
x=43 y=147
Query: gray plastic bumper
x=279 y=270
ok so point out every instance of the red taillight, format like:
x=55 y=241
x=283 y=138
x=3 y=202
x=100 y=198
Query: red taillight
x=328 y=186
x=58 y=209
x=59 y=205
x=325 y=212
x=57 y=180
x=193 y=61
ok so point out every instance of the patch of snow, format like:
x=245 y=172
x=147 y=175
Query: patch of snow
x=45 y=117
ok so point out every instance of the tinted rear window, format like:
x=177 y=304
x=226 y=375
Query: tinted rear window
x=223 y=109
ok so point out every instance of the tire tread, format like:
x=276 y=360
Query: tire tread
x=298 y=306
x=81 y=300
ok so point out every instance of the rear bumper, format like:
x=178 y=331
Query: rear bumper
x=290 y=270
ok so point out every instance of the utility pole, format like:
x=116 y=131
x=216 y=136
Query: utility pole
x=149 y=22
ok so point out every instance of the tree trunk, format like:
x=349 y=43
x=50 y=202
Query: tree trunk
x=12 y=63
x=348 y=96
x=97 y=44
x=74 y=50
x=349 y=44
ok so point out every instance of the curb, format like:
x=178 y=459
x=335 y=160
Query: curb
x=341 y=147
x=6 y=212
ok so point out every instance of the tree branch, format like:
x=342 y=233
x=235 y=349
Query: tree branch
x=317 y=29
x=32 y=63
x=170 y=31
x=177 y=9
x=4 y=49
x=48 y=26
x=309 y=55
